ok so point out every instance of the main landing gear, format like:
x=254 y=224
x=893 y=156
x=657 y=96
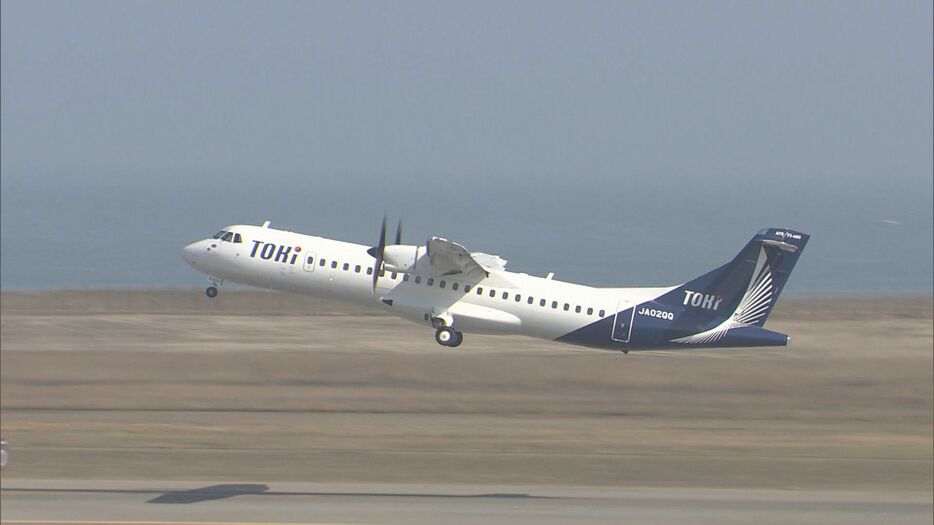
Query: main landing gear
x=446 y=336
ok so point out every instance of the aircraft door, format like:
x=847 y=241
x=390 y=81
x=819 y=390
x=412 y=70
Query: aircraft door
x=308 y=262
x=622 y=324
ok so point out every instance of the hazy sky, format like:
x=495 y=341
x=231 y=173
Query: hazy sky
x=708 y=112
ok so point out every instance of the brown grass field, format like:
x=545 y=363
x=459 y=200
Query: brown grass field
x=272 y=387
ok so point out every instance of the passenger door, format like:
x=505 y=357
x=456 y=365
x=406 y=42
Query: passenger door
x=622 y=325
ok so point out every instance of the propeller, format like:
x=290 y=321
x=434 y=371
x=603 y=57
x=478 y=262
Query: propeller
x=379 y=250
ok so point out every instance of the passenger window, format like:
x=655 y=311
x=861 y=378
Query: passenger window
x=518 y=297
x=541 y=303
x=577 y=309
x=238 y=239
x=590 y=311
x=454 y=286
x=492 y=293
x=382 y=272
x=334 y=264
x=322 y=262
x=466 y=288
x=602 y=313
x=227 y=237
x=346 y=266
x=430 y=281
x=394 y=275
x=567 y=307
x=531 y=300
x=479 y=290
x=219 y=234
x=369 y=270
x=356 y=269
x=310 y=260
x=554 y=304
x=505 y=295
x=418 y=279
x=405 y=277
x=442 y=284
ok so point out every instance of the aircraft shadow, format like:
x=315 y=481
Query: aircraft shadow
x=214 y=492
x=210 y=492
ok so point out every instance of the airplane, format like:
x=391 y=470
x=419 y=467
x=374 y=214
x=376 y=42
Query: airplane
x=454 y=291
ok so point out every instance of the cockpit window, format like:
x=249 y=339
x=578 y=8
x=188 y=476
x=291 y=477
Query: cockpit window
x=219 y=234
x=227 y=237
x=237 y=238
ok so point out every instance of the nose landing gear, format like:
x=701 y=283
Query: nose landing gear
x=446 y=336
x=211 y=291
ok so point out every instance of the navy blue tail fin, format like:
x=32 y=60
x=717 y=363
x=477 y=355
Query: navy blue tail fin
x=745 y=289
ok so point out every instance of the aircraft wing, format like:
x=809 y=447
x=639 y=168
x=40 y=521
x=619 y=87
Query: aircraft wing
x=449 y=258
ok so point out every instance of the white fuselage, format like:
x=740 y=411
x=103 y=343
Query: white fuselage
x=503 y=302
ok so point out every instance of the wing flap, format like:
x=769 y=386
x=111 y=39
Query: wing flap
x=449 y=258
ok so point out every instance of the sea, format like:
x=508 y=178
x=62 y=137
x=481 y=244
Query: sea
x=113 y=236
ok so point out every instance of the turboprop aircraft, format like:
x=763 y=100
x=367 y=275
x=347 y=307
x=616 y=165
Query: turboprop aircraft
x=444 y=286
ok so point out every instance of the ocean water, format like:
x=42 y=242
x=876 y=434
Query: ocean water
x=83 y=237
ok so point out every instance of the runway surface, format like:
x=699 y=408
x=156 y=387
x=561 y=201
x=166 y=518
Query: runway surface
x=260 y=407
x=112 y=502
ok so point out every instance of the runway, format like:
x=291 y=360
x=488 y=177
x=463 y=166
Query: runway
x=266 y=408
x=40 y=501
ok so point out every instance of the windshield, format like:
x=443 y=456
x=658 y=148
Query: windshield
x=228 y=236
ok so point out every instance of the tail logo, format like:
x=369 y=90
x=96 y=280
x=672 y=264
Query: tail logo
x=702 y=300
x=751 y=309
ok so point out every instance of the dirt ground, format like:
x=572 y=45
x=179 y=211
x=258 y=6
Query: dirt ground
x=265 y=386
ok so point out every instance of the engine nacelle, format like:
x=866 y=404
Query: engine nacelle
x=400 y=258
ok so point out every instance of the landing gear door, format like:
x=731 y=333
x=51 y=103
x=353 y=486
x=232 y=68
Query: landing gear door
x=622 y=325
x=308 y=262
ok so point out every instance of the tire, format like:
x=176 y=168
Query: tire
x=458 y=339
x=445 y=336
x=211 y=292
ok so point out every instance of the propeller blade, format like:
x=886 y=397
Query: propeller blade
x=399 y=232
x=379 y=249
x=382 y=234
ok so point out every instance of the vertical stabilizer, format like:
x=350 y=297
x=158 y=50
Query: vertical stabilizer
x=743 y=291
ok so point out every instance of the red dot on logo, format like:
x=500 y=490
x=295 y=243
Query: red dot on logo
x=298 y=248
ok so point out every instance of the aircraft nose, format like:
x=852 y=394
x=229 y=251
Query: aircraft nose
x=190 y=252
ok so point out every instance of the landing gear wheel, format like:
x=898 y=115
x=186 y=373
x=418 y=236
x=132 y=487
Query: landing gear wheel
x=211 y=292
x=448 y=337
x=444 y=336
